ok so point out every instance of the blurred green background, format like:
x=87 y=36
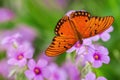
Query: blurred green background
x=44 y=14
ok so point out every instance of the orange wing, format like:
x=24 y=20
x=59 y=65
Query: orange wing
x=89 y=26
x=59 y=45
x=65 y=38
x=75 y=27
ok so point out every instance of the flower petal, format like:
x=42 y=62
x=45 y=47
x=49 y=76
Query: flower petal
x=80 y=50
x=87 y=41
x=31 y=64
x=95 y=38
x=105 y=59
x=12 y=61
x=101 y=78
x=97 y=64
x=105 y=36
x=89 y=57
x=90 y=76
x=46 y=73
x=42 y=63
x=102 y=49
x=29 y=74
x=39 y=77
x=69 y=12
x=11 y=52
x=29 y=53
x=22 y=62
x=71 y=49
x=110 y=29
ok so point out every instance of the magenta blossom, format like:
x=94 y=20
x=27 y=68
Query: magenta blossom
x=20 y=34
x=97 y=55
x=43 y=56
x=105 y=36
x=57 y=73
x=18 y=56
x=6 y=15
x=28 y=32
x=4 y=68
x=91 y=76
x=80 y=48
x=72 y=71
x=11 y=41
x=37 y=71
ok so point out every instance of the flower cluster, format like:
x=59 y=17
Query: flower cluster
x=91 y=53
x=78 y=66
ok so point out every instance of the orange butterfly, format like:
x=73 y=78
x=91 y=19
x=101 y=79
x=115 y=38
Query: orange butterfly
x=77 y=26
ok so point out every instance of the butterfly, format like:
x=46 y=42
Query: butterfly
x=74 y=27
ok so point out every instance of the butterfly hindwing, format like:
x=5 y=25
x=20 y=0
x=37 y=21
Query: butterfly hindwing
x=59 y=45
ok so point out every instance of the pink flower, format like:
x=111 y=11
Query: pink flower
x=20 y=34
x=12 y=38
x=10 y=41
x=57 y=73
x=18 y=56
x=72 y=71
x=4 y=68
x=28 y=32
x=80 y=48
x=91 y=76
x=6 y=15
x=105 y=36
x=37 y=71
x=97 y=55
x=47 y=58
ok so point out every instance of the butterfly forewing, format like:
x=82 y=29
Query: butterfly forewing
x=63 y=28
x=65 y=38
x=89 y=26
x=80 y=20
x=97 y=25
